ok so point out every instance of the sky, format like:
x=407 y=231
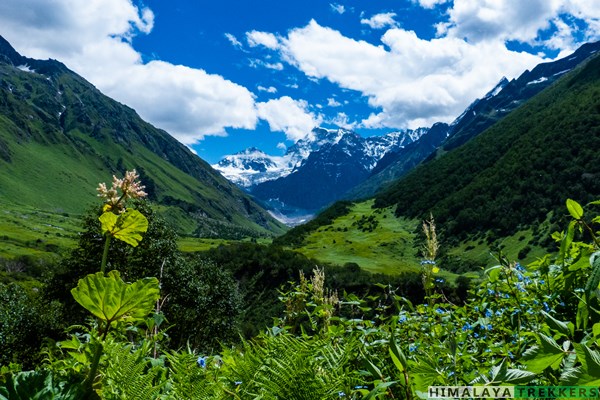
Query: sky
x=224 y=75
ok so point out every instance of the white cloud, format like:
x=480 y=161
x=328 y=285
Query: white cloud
x=266 y=39
x=338 y=8
x=281 y=146
x=331 y=102
x=233 y=40
x=289 y=116
x=94 y=39
x=431 y=3
x=256 y=63
x=414 y=82
x=270 y=89
x=379 y=21
x=521 y=21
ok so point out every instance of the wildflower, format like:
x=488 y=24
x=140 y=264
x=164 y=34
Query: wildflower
x=402 y=318
x=427 y=262
x=412 y=348
x=519 y=267
x=488 y=313
x=476 y=308
x=542 y=281
x=488 y=327
x=466 y=327
x=511 y=355
x=202 y=362
x=546 y=307
x=490 y=291
x=439 y=310
x=129 y=186
x=476 y=335
x=341 y=394
x=237 y=383
x=499 y=312
x=439 y=280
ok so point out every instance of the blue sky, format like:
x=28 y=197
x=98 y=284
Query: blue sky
x=224 y=75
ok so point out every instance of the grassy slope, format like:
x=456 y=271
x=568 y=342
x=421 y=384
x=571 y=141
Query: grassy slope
x=388 y=248
x=392 y=247
x=54 y=163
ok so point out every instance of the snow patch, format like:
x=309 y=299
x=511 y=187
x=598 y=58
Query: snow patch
x=542 y=79
x=25 y=68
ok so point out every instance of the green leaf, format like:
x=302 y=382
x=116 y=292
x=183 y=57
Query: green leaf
x=128 y=226
x=590 y=365
x=397 y=355
x=555 y=324
x=41 y=385
x=575 y=209
x=582 y=316
x=594 y=279
x=110 y=299
x=547 y=354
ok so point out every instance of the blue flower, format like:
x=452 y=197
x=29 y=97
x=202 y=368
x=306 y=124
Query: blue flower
x=488 y=327
x=202 y=362
x=490 y=291
x=402 y=318
x=475 y=334
x=361 y=387
x=476 y=308
x=546 y=308
x=519 y=267
x=237 y=383
x=341 y=394
x=499 y=312
x=439 y=310
x=488 y=313
x=466 y=327
x=542 y=281
x=412 y=348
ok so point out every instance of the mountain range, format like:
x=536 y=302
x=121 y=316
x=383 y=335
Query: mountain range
x=330 y=165
x=510 y=180
x=60 y=137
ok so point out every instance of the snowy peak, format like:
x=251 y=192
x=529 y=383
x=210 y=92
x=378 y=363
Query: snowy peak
x=252 y=166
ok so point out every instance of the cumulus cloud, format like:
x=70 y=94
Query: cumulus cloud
x=522 y=21
x=281 y=146
x=256 y=63
x=266 y=39
x=415 y=82
x=379 y=21
x=289 y=116
x=431 y=3
x=94 y=39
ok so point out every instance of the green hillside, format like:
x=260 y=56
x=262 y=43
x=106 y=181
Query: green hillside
x=59 y=137
x=503 y=190
x=517 y=173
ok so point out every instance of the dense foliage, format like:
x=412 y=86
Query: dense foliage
x=535 y=325
x=517 y=172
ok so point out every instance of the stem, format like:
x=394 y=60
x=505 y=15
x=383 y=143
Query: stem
x=105 y=253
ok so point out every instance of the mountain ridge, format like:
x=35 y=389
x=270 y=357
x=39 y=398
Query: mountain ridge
x=60 y=136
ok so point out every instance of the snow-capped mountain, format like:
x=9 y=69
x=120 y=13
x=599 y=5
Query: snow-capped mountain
x=252 y=166
x=335 y=161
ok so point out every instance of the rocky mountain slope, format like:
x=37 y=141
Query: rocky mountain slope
x=60 y=136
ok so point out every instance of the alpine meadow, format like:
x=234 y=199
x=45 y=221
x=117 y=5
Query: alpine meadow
x=224 y=203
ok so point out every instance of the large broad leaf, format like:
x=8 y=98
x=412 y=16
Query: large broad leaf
x=127 y=227
x=547 y=354
x=110 y=299
x=41 y=385
x=590 y=365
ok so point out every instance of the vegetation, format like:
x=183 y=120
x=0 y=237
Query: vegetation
x=503 y=181
x=536 y=325
x=59 y=134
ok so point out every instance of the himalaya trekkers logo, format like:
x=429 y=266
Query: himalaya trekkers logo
x=513 y=392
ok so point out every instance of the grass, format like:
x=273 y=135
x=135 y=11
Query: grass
x=26 y=231
x=374 y=239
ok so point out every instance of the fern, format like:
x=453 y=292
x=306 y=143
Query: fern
x=287 y=367
x=129 y=375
